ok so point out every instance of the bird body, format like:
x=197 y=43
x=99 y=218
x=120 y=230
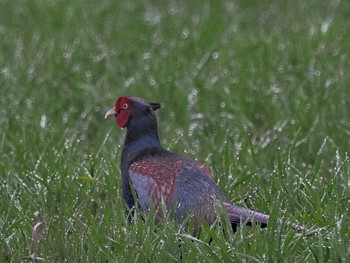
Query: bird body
x=184 y=186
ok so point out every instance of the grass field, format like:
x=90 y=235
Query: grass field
x=258 y=91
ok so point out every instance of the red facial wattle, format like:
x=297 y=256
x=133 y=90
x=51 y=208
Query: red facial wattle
x=122 y=119
x=123 y=109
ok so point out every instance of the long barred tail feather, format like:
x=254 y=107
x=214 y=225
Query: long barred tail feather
x=238 y=215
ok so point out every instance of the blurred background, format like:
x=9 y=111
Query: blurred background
x=255 y=90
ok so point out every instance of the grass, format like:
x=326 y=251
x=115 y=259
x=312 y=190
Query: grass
x=257 y=91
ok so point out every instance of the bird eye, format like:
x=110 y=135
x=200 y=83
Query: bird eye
x=125 y=106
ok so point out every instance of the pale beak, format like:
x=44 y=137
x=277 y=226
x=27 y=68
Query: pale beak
x=110 y=113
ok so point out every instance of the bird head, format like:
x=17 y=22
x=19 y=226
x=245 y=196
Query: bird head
x=127 y=108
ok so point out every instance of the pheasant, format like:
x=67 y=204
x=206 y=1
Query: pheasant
x=162 y=179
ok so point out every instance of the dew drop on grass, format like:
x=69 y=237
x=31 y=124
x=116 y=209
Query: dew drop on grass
x=65 y=118
x=192 y=97
x=43 y=121
x=66 y=144
x=215 y=55
x=88 y=74
x=76 y=68
x=147 y=55
x=191 y=129
x=196 y=116
x=325 y=25
x=29 y=103
x=5 y=72
x=338 y=159
x=67 y=55
x=156 y=39
x=152 y=82
x=129 y=81
x=185 y=33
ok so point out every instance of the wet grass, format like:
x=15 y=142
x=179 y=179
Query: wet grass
x=258 y=92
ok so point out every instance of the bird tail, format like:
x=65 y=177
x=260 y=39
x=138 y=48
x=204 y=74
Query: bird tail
x=238 y=215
